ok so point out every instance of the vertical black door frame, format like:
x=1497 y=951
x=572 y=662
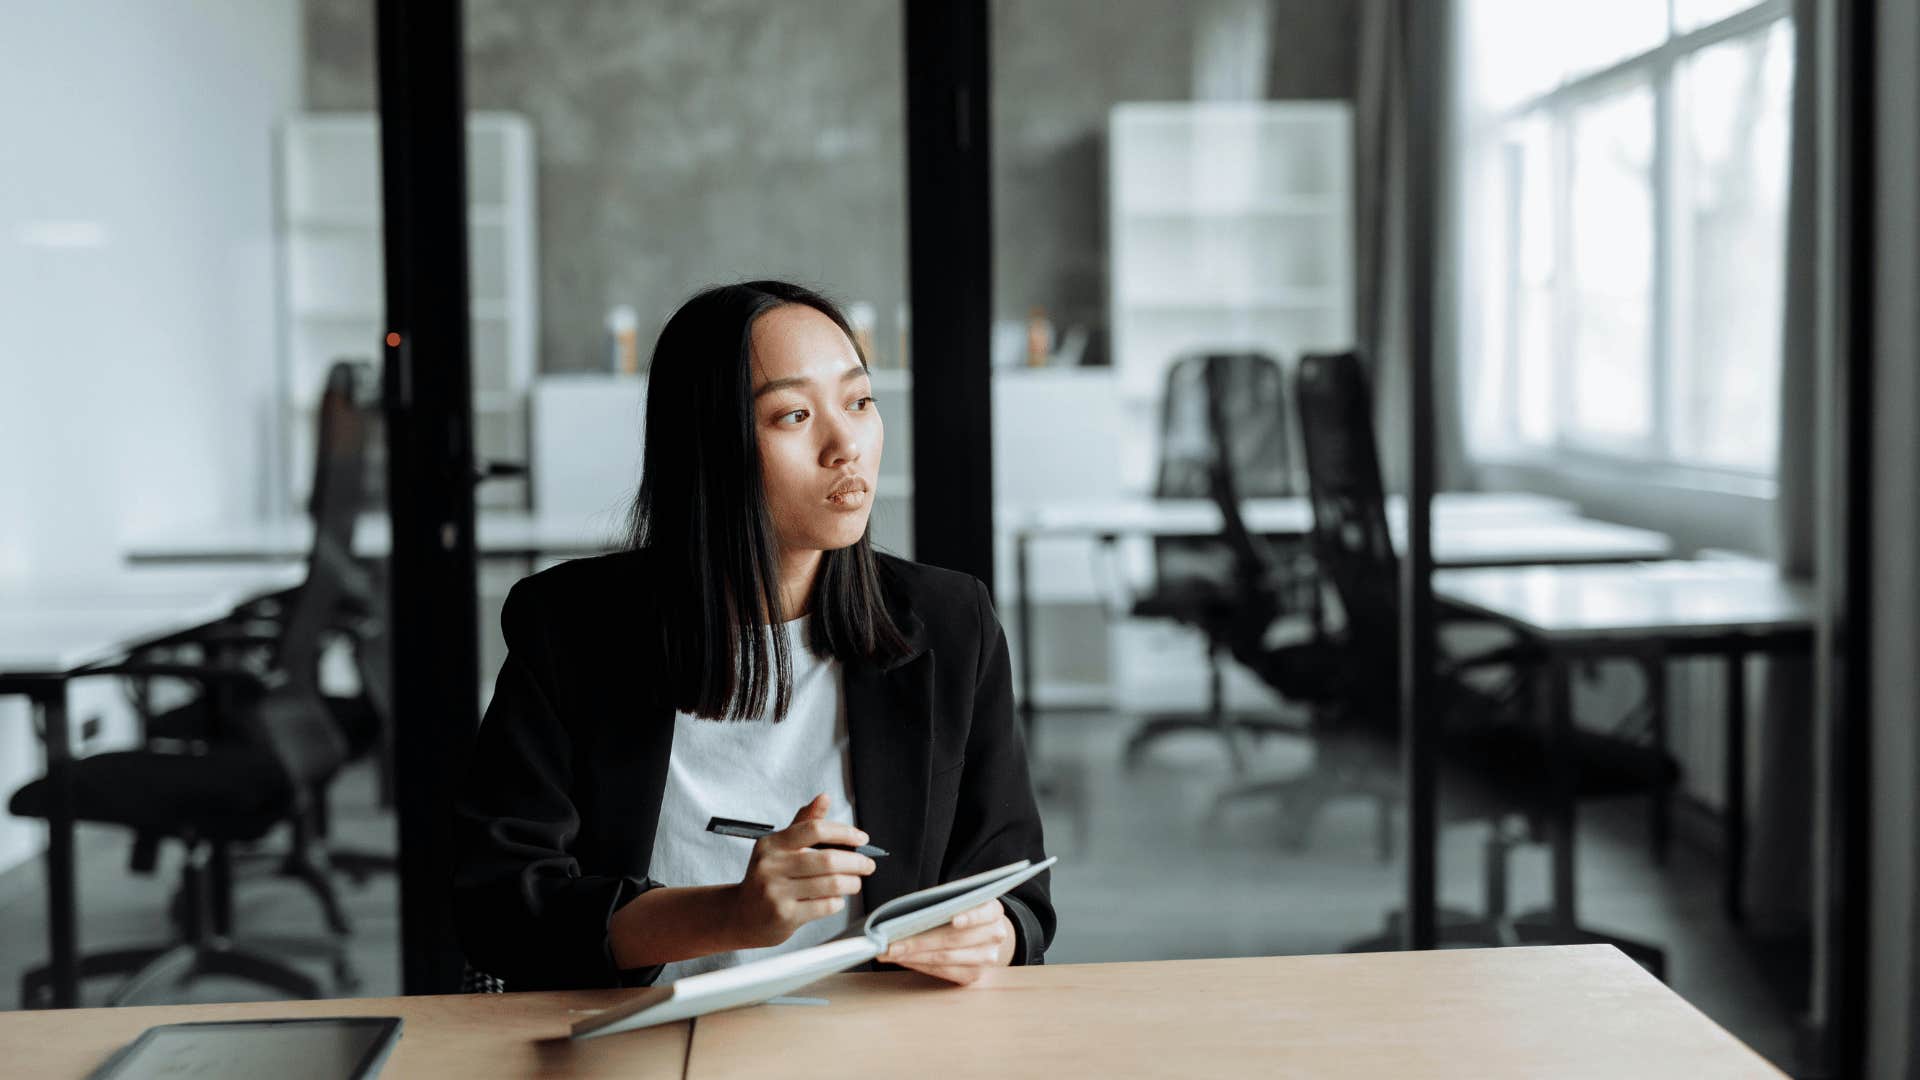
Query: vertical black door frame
x=950 y=281
x=1424 y=44
x=1844 y=363
x=429 y=462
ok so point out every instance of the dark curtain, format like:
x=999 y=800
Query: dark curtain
x=1380 y=237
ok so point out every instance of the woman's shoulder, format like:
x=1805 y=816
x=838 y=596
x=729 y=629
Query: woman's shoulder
x=595 y=583
x=948 y=606
x=930 y=589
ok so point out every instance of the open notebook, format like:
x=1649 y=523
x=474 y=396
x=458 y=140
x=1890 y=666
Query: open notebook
x=751 y=983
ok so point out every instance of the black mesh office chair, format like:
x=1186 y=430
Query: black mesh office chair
x=252 y=636
x=274 y=749
x=1494 y=757
x=1236 y=400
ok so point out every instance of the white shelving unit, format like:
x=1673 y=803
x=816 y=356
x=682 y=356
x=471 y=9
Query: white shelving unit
x=1230 y=226
x=335 y=277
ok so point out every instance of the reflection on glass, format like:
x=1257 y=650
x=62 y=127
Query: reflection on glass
x=1611 y=241
x=187 y=356
x=1735 y=99
x=625 y=156
x=1174 y=202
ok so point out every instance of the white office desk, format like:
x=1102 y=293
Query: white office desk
x=1669 y=600
x=498 y=535
x=50 y=631
x=163 y=588
x=1469 y=529
x=1732 y=608
x=504 y=534
x=1291 y=515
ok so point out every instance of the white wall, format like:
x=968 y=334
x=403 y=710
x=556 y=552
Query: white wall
x=138 y=334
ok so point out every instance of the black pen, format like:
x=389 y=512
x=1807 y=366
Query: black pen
x=753 y=830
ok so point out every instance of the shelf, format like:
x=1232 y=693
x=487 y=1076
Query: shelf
x=1286 y=300
x=484 y=401
x=337 y=315
x=479 y=311
x=1302 y=206
x=330 y=228
x=1085 y=371
x=480 y=214
x=342 y=222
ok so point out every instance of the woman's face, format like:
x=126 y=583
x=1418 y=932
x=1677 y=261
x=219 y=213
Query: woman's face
x=819 y=429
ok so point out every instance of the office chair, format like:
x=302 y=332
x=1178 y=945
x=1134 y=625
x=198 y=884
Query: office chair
x=1494 y=759
x=251 y=637
x=1194 y=578
x=274 y=750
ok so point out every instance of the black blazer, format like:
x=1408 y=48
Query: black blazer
x=554 y=824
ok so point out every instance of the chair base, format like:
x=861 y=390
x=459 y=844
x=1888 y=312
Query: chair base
x=1459 y=928
x=203 y=948
x=176 y=965
x=359 y=867
x=1063 y=784
x=1300 y=798
x=1229 y=728
x=310 y=864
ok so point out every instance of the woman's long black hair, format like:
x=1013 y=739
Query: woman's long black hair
x=702 y=513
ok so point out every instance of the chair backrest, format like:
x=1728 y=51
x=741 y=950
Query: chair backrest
x=1250 y=390
x=294 y=719
x=1351 y=542
x=1256 y=568
x=1235 y=400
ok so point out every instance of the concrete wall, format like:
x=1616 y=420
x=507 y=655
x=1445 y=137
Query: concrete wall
x=138 y=336
x=681 y=144
x=1059 y=65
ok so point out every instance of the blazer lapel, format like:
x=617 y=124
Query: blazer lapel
x=890 y=723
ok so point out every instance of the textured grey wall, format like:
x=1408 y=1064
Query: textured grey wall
x=682 y=143
x=1058 y=66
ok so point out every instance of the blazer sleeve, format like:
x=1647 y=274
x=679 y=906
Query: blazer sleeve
x=996 y=820
x=522 y=908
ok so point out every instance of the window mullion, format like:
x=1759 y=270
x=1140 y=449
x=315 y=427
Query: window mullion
x=1560 y=126
x=1511 y=164
x=1662 y=353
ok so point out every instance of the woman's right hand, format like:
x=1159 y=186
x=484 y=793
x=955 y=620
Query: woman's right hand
x=789 y=883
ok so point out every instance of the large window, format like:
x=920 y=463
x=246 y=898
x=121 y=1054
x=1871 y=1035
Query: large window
x=1626 y=185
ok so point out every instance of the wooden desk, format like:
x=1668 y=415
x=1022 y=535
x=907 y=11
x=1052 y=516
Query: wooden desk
x=1731 y=608
x=1571 y=1011
x=1568 y=1011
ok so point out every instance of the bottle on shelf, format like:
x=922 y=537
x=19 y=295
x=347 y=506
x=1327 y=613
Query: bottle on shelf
x=1039 y=337
x=861 y=316
x=623 y=340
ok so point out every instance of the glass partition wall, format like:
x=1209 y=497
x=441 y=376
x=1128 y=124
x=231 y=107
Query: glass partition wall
x=654 y=149
x=1625 y=341
x=190 y=361
x=1174 y=228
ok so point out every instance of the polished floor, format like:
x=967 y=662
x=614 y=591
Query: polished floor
x=1141 y=878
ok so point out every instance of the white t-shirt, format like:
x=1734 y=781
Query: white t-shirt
x=755 y=771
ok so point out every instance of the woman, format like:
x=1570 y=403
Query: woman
x=750 y=657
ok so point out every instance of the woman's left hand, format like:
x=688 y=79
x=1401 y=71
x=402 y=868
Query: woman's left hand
x=963 y=951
